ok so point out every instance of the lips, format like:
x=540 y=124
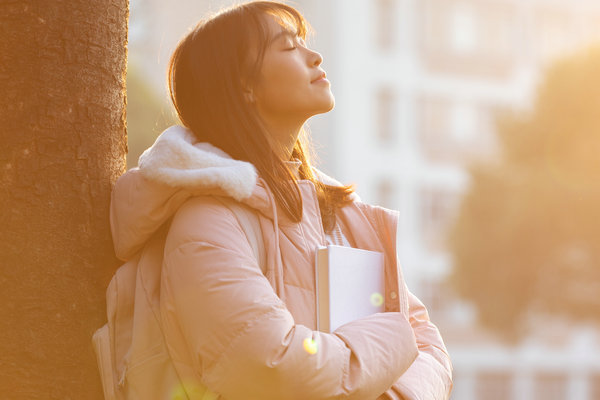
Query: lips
x=322 y=75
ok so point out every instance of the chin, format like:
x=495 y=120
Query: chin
x=332 y=104
x=322 y=110
x=327 y=106
x=321 y=106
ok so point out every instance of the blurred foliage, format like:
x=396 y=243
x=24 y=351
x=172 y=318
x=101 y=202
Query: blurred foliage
x=526 y=242
x=147 y=115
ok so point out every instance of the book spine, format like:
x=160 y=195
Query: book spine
x=322 y=282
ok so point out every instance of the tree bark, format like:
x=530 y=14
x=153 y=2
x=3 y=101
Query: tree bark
x=62 y=114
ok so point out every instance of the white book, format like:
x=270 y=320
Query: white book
x=349 y=284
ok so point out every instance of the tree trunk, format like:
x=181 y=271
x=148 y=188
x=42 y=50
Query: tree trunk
x=62 y=114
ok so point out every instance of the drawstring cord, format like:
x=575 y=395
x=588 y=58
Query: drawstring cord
x=277 y=278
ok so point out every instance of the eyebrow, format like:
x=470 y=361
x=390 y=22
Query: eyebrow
x=283 y=33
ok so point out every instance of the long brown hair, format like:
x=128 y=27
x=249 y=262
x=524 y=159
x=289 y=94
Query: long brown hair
x=206 y=75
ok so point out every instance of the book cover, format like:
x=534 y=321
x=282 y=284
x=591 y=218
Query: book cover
x=350 y=285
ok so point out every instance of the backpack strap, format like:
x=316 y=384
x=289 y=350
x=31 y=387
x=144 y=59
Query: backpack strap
x=250 y=225
x=102 y=348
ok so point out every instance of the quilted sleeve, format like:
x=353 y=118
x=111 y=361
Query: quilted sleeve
x=245 y=343
x=430 y=376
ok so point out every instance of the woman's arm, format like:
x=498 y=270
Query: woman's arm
x=430 y=375
x=244 y=342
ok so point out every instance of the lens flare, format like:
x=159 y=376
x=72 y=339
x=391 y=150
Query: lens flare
x=310 y=345
x=178 y=393
x=184 y=391
x=377 y=299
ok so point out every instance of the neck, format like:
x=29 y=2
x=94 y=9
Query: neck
x=285 y=135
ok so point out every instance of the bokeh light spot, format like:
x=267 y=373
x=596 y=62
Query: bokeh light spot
x=188 y=390
x=310 y=345
x=178 y=393
x=377 y=299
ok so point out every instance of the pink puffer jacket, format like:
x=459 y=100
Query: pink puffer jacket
x=240 y=332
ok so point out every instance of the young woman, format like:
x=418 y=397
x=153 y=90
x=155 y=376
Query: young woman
x=244 y=83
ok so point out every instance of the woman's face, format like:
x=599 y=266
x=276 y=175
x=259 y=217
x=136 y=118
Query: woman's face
x=289 y=87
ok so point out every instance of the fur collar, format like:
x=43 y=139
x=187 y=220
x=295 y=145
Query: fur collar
x=177 y=159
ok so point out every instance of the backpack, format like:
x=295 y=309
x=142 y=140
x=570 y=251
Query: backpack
x=132 y=355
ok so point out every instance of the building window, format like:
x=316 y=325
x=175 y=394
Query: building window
x=453 y=131
x=434 y=125
x=554 y=34
x=550 y=386
x=463 y=30
x=462 y=385
x=385 y=23
x=435 y=295
x=464 y=122
x=438 y=209
x=385 y=115
x=468 y=37
x=494 y=385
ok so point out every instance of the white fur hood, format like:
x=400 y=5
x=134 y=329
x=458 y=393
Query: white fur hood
x=177 y=159
x=175 y=168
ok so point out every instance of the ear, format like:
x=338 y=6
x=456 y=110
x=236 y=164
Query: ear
x=247 y=91
x=249 y=96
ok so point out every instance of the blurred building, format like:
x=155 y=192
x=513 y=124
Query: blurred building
x=417 y=84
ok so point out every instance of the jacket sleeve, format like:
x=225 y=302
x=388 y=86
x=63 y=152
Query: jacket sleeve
x=430 y=375
x=244 y=342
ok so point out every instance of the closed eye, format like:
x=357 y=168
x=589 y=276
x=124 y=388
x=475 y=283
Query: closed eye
x=297 y=40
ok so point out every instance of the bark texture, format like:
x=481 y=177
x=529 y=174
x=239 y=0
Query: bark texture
x=63 y=144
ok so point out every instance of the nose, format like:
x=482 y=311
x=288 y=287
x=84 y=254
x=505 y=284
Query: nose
x=316 y=58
